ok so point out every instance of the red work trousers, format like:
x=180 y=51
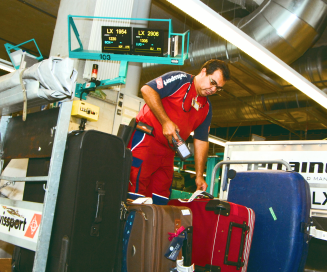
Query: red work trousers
x=152 y=169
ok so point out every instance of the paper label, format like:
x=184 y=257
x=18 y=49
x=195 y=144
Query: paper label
x=186 y=212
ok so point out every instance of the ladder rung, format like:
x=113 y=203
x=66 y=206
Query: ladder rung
x=19 y=179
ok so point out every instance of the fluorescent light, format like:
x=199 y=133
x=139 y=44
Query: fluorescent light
x=6 y=65
x=211 y=19
x=215 y=140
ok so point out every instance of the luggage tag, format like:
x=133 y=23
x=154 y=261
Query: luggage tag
x=176 y=244
x=143 y=200
x=195 y=195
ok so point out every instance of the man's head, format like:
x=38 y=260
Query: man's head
x=212 y=77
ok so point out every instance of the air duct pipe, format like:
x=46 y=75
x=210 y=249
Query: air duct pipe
x=249 y=108
x=285 y=27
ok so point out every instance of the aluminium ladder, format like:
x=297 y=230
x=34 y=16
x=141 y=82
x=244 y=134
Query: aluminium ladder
x=53 y=178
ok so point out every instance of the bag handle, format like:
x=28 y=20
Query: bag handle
x=99 y=209
x=224 y=182
x=244 y=228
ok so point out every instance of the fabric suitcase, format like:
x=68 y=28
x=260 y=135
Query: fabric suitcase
x=146 y=234
x=87 y=224
x=281 y=202
x=222 y=234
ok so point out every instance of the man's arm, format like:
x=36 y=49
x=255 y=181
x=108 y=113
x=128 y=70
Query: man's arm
x=153 y=100
x=200 y=155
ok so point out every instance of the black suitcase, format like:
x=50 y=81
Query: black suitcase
x=87 y=227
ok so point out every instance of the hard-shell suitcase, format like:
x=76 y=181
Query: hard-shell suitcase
x=281 y=202
x=87 y=228
x=146 y=234
x=222 y=234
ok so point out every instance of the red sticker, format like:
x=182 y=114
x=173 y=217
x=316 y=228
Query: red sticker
x=33 y=226
x=159 y=83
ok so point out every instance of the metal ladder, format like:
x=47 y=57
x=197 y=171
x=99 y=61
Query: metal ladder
x=53 y=178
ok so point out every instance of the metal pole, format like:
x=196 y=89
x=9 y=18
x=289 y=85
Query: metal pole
x=3 y=128
x=42 y=247
x=224 y=182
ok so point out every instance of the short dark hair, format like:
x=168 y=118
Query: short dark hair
x=215 y=64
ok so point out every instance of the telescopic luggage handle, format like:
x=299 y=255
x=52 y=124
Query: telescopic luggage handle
x=224 y=182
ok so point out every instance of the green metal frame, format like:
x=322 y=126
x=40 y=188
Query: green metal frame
x=211 y=162
x=175 y=194
x=80 y=53
x=9 y=47
x=181 y=163
x=121 y=79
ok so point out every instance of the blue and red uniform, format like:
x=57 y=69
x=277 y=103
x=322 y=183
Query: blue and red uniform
x=153 y=159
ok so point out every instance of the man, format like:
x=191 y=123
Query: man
x=176 y=101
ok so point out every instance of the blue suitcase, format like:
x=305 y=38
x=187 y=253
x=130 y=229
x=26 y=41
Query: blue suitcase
x=281 y=202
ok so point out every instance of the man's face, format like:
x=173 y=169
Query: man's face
x=209 y=84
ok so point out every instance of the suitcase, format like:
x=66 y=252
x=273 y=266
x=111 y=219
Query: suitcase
x=222 y=234
x=281 y=202
x=87 y=229
x=146 y=236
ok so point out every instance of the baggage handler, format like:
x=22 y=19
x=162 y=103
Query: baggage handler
x=174 y=101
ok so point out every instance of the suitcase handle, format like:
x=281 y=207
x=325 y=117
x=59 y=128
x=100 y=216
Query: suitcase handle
x=218 y=206
x=99 y=209
x=244 y=228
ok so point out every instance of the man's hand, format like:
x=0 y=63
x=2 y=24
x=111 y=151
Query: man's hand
x=201 y=184
x=169 y=130
x=200 y=155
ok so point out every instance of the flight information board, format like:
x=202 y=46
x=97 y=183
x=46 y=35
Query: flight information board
x=116 y=39
x=148 y=42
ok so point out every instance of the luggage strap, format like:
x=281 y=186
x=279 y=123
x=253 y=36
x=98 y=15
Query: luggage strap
x=24 y=93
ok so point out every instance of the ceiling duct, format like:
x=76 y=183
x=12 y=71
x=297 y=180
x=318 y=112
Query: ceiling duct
x=292 y=110
x=273 y=99
x=285 y=27
x=249 y=5
x=313 y=66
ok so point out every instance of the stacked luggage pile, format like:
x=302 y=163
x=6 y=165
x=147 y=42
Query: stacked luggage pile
x=96 y=229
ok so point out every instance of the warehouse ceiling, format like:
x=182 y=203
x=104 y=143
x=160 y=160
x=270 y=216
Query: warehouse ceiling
x=254 y=96
x=24 y=20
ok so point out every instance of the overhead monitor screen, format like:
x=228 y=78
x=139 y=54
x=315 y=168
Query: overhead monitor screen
x=148 y=42
x=116 y=39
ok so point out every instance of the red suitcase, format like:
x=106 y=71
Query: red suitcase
x=222 y=234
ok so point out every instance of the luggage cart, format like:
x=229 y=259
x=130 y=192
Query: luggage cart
x=48 y=207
